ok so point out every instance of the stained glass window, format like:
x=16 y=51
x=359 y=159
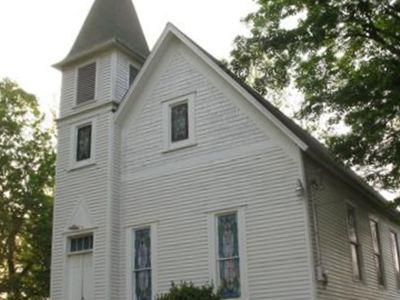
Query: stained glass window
x=377 y=251
x=228 y=256
x=142 y=264
x=84 y=142
x=179 y=122
x=354 y=244
x=394 y=241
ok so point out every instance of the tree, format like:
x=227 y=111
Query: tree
x=26 y=183
x=187 y=291
x=344 y=56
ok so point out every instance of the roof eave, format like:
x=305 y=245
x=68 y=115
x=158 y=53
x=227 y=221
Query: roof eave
x=352 y=179
x=112 y=43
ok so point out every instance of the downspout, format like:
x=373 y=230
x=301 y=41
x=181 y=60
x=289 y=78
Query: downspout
x=321 y=274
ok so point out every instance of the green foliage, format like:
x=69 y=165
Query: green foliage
x=345 y=58
x=26 y=184
x=187 y=291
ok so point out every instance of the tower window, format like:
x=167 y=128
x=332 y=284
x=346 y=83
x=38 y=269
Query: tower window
x=84 y=142
x=86 y=83
x=132 y=74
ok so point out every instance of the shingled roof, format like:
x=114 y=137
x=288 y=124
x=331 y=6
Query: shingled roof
x=110 y=22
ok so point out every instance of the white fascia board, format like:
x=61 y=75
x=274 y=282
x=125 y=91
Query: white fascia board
x=170 y=30
x=149 y=64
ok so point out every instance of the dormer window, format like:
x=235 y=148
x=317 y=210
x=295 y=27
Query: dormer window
x=179 y=123
x=84 y=142
x=132 y=74
x=86 y=86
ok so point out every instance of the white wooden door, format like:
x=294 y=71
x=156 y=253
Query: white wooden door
x=74 y=277
x=87 y=282
x=80 y=277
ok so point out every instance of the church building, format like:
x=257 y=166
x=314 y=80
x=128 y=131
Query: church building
x=171 y=169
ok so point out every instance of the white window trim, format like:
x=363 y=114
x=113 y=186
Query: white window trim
x=74 y=164
x=395 y=232
x=377 y=220
x=131 y=254
x=96 y=83
x=167 y=104
x=213 y=249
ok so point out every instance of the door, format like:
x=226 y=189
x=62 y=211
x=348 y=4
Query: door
x=80 y=277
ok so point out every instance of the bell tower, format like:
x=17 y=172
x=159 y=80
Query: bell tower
x=96 y=74
x=112 y=40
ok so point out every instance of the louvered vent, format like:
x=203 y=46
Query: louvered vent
x=86 y=83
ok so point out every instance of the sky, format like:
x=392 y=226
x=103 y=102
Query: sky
x=37 y=34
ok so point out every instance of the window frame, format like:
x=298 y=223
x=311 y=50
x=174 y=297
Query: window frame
x=78 y=67
x=167 y=122
x=78 y=130
x=74 y=163
x=131 y=258
x=381 y=281
x=77 y=236
x=355 y=244
x=214 y=274
x=393 y=236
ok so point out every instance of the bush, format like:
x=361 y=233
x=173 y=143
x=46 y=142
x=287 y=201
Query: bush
x=187 y=291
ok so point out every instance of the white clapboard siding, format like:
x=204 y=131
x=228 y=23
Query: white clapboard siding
x=95 y=186
x=237 y=162
x=331 y=199
x=115 y=174
x=122 y=79
x=88 y=185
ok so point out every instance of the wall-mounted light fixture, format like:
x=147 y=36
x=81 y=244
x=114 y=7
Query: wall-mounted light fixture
x=299 y=188
x=74 y=227
x=316 y=179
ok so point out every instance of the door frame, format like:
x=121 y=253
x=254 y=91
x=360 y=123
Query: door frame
x=67 y=236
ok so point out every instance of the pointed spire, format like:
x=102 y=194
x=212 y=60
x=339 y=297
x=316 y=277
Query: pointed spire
x=109 y=22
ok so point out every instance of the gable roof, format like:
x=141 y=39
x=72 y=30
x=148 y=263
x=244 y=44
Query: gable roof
x=109 y=22
x=306 y=142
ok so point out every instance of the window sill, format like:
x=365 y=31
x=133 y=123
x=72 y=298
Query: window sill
x=359 y=281
x=172 y=148
x=80 y=252
x=83 y=104
x=81 y=165
x=382 y=287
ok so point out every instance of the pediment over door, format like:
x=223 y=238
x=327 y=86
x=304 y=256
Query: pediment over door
x=80 y=218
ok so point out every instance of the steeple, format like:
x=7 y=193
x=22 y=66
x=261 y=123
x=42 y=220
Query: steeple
x=109 y=23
